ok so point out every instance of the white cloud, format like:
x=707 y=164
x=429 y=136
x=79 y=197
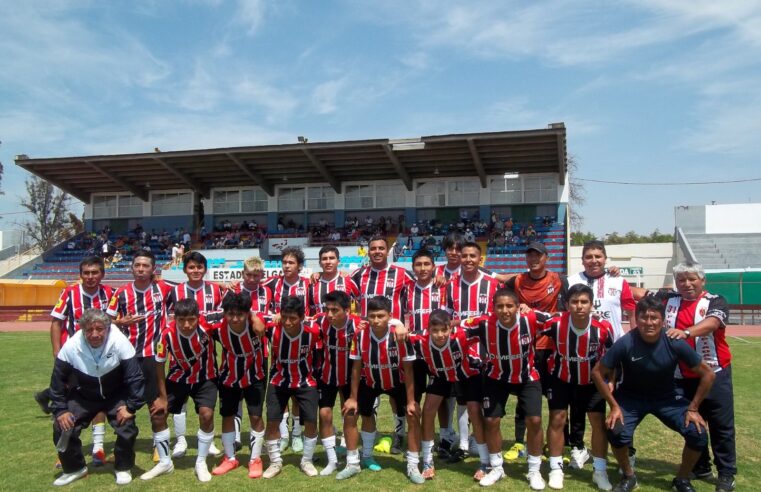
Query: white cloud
x=250 y=14
x=324 y=95
x=277 y=102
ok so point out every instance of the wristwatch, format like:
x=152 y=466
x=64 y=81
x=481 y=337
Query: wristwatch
x=687 y=333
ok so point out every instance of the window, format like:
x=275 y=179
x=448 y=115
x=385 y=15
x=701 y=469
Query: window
x=514 y=194
x=171 y=203
x=431 y=194
x=290 y=199
x=360 y=197
x=389 y=195
x=320 y=198
x=253 y=201
x=104 y=207
x=130 y=206
x=539 y=189
x=226 y=202
x=463 y=193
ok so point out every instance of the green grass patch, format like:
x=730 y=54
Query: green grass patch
x=27 y=453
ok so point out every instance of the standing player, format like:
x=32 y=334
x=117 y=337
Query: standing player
x=74 y=300
x=469 y=294
x=507 y=339
x=380 y=365
x=337 y=330
x=330 y=280
x=294 y=342
x=252 y=285
x=580 y=341
x=208 y=296
x=242 y=376
x=192 y=373
x=290 y=284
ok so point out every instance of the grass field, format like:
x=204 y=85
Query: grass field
x=27 y=453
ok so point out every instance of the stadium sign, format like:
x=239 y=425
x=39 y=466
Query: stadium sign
x=233 y=274
x=630 y=271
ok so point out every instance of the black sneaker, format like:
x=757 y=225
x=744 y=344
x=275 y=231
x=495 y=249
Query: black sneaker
x=627 y=484
x=445 y=449
x=726 y=483
x=682 y=485
x=457 y=455
x=42 y=400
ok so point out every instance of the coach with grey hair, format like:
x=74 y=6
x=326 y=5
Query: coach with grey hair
x=699 y=318
x=95 y=371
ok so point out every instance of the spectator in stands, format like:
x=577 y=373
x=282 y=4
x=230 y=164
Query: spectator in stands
x=252 y=226
x=499 y=226
x=530 y=233
x=469 y=236
x=335 y=236
x=414 y=230
x=105 y=250
x=186 y=240
x=397 y=250
x=176 y=254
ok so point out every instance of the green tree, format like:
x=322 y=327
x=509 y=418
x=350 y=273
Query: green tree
x=579 y=238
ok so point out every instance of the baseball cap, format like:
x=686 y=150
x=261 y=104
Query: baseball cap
x=537 y=246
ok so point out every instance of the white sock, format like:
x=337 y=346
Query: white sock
x=352 y=457
x=256 y=439
x=273 y=450
x=413 y=460
x=180 y=424
x=427 y=452
x=236 y=419
x=297 y=431
x=228 y=444
x=534 y=462
x=343 y=441
x=495 y=460
x=462 y=425
x=599 y=464
x=204 y=442
x=483 y=453
x=284 y=426
x=556 y=462
x=329 y=443
x=98 y=436
x=399 y=425
x=309 y=445
x=368 y=441
x=161 y=441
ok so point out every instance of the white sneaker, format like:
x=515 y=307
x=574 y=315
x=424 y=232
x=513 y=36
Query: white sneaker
x=600 y=478
x=180 y=447
x=329 y=469
x=308 y=468
x=214 y=451
x=535 y=480
x=67 y=478
x=273 y=470
x=578 y=458
x=495 y=475
x=556 y=479
x=158 y=469
x=123 y=477
x=202 y=472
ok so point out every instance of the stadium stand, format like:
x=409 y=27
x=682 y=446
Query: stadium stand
x=511 y=258
x=723 y=251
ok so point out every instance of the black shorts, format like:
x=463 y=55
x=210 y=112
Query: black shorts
x=329 y=392
x=367 y=395
x=230 y=397
x=151 y=389
x=469 y=390
x=204 y=394
x=277 y=402
x=585 y=398
x=496 y=392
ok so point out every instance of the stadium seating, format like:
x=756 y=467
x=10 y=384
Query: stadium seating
x=723 y=251
x=512 y=258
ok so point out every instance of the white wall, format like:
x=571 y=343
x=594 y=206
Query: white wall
x=656 y=259
x=733 y=218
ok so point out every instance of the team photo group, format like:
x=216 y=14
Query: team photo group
x=454 y=347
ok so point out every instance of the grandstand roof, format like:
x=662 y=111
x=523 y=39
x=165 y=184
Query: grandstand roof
x=481 y=154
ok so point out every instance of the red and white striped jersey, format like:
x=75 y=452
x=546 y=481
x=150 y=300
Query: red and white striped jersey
x=192 y=358
x=151 y=303
x=392 y=283
x=453 y=361
x=73 y=302
x=336 y=346
x=508 y=351
x=261 y=298
x=576 y=352
x=208 y=296
x=280 y=289
x=381 y=358
x=468 y=300
x=318 y=290
x=421 y=300
x=244 y=355
x=293 y=357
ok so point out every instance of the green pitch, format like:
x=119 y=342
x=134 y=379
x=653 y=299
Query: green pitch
x=27 y=454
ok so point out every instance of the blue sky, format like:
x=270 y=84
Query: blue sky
x=649 y=90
